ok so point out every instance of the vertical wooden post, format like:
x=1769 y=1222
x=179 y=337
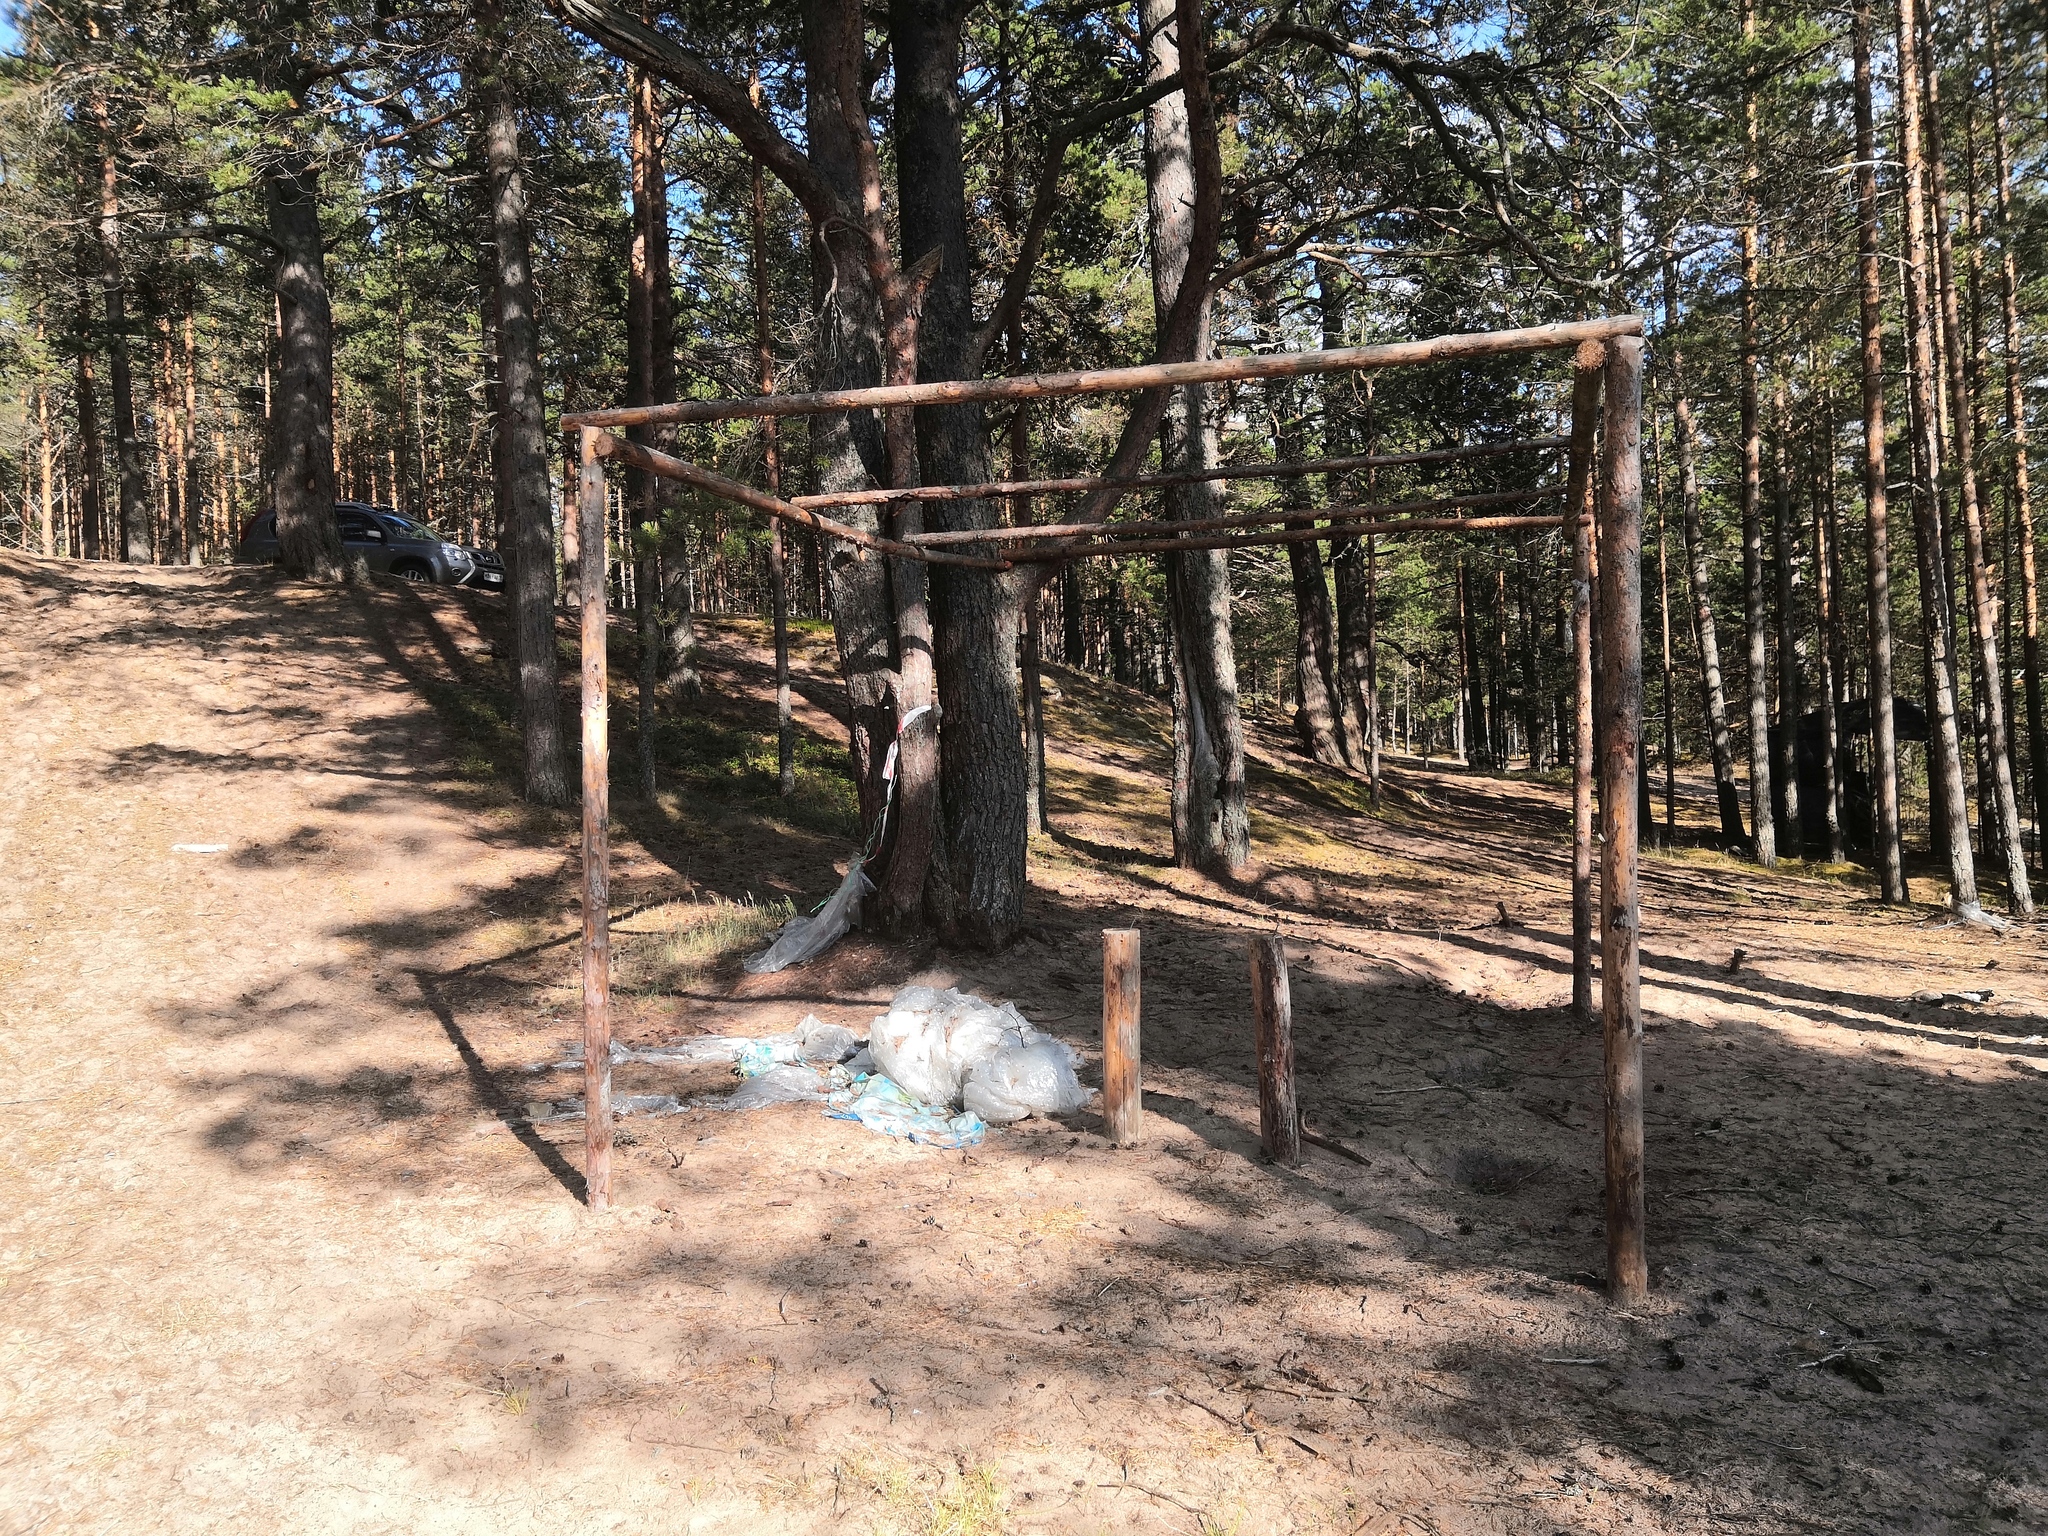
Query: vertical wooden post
x=1123 y=1106
x=1621 y=688
x=1586 y=366
x=1273 y=1028
x=597 y=939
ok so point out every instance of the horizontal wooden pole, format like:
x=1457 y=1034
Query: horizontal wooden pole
x=1288 y=515
x=1275 y=471
x=1110 y=381
x=684 y=472
x=1038 y=556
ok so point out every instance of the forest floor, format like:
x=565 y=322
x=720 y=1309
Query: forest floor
x=279 y=1250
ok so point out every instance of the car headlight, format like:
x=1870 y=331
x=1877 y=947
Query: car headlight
x=456 y=552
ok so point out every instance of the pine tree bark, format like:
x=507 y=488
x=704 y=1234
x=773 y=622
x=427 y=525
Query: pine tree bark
x=1073 y=637
x=1037 y=812
x=1670 y=699
x=848 y=448
x=1353 y=565
x=1886 y=854
x=1317 y=724
x=194 y=549
x=132 y=479
x=1211 y=826
x=1713 y=695
x=1762 y=820
x=1791 y=692
x=1469 y=687
x=2004 y=808
x=977 y=614
x=2020 y=511
x=1827 y=634
x=46 y=454
x=771 y=466
x=521 y=429
x=1946 y=798
x=92 y=454
x=302 y=401
x=644 y=492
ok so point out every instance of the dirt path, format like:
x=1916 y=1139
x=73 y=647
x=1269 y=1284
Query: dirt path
x=280 y=1253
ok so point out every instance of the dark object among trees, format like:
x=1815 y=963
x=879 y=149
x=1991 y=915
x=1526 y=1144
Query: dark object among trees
x=1859 y=806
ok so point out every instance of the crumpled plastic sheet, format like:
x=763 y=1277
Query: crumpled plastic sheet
x=701 y=1048
x=805 y=938
x=882 y=1105
x=622 y=1104
x=1022 y=1078
x=945 y=1047
x=813 y=1040
x=786 y=1083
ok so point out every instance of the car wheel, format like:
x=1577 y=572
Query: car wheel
x=412 y=571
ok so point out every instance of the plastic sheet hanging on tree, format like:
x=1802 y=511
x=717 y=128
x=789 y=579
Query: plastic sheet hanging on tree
x=805 y=938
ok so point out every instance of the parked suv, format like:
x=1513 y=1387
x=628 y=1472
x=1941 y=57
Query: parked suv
x=390 y=542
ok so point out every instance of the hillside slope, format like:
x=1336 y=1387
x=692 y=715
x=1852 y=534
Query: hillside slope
x=282 y=1248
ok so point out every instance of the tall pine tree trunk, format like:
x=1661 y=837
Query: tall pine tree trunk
x=1827 y=631
x=1762 y=821
x=1884 y=771
x=771 y=465
x=1670 y=699
x=132 y=479
x=92 y=453
x=521 y=430
x=1352 y=564
x=1037 y=812
x=302 y=399
x=1713 y=694
x=1791 y=694
x=2003 y=811
x=848 y=448
x=1211 y=827
x=646 y=338
x=1317 y=723
x=2020 y=511
x=1947 y=803
x=976 y=613
x=195 y=545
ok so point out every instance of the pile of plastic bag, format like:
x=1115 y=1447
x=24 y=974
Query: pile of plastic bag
x=953 y=1048
x=938 y=1068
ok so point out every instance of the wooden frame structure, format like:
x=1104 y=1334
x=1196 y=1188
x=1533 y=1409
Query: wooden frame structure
x=1602 y=506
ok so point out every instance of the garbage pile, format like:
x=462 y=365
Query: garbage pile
x=938 y=1068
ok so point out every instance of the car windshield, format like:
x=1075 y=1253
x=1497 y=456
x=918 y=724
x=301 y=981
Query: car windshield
x=409 y=528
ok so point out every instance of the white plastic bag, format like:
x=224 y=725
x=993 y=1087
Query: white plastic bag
x=928 y=1039
x=1023 y=1078
x=786 y=1084
x=827 y=1043
x=949 y=1047
x=805 y=938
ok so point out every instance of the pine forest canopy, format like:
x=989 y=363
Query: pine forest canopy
x=271 y=256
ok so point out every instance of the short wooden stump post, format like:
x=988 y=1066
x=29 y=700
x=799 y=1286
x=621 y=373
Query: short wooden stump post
x=1123 y=1109
x=1273 y=1028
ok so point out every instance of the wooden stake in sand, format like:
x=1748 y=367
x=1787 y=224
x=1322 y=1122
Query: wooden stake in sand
x=597 y=939
x=1621 y=699
x=1273 y=1029
x=1123 y=1108
x=1586 y=366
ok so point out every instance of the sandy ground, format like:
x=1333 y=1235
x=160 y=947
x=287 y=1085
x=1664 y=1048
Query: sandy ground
x=279 y=1251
